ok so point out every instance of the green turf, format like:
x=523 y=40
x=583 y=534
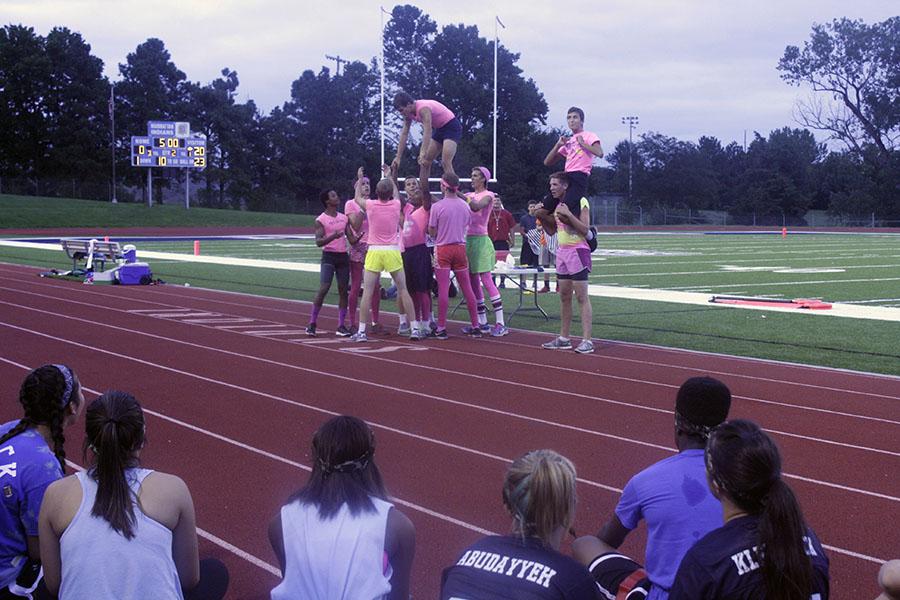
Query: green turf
x=28 y=212
x=857 y=344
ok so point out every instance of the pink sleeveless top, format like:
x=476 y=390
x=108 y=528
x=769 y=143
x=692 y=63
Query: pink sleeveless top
x=332 y=225
x=478 y=223
x=384 y=223
x=440 y=114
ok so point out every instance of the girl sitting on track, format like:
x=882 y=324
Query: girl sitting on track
x=481 y=255
x=761 y=512
x=539 y=493
x=339 y=538
x=117 y=530
x=358 y=249
x=52 y=400
x=332 y=233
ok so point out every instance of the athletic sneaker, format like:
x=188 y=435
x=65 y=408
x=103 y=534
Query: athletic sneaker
x=342 y=331
x=585 y=347
x=404 y=329
x=485 y=328
x=499 y=330
x=471 y=331
x=376 y=328
x=440 y=334
x=311 y=330
x=558 y=344
x=415 y=335
x=359 y=336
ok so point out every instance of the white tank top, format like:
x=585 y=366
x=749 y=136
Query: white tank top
x=99 y=562
x=341 y=558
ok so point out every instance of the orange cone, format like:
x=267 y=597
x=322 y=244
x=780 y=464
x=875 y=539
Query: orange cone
x=196 y=247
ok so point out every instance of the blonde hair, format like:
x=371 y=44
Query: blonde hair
x=539 y=492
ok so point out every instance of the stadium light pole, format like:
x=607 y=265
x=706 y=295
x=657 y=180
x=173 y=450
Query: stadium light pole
x=497 y=22
x=112 y=137
x=632 y=122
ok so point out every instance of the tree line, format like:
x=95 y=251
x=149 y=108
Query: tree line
x=55 y=124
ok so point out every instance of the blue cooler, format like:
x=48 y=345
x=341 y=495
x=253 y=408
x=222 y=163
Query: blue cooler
x=136 y=273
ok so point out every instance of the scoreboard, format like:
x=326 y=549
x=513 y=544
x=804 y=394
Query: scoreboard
x=168 y=151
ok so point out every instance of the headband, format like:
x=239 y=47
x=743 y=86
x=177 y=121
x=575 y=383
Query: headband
x=689 y=427
x=70 y=384
x=347 y=466
x=485 y=172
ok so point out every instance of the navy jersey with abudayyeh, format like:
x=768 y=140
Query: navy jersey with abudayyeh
x=725 y=564
x=508 y=567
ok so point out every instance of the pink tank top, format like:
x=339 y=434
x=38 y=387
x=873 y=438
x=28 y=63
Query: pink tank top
x=332 y=225
x=384 y=222
x=415 y=227
x=478 y=223
x=440 y=114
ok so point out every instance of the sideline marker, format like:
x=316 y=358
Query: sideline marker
x=196 y=247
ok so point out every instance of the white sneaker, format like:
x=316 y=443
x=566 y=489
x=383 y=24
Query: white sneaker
x=585 y=347
x=404 y=329
x=359 y=336
x=558 y=344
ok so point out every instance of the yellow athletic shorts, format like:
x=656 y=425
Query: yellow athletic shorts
x=383 y=260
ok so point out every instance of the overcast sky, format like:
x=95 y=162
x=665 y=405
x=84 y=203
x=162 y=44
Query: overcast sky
x=686 y=67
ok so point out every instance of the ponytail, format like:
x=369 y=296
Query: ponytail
x=786 y=568
x=539 y=492
x=115 y=432
x=745 y=464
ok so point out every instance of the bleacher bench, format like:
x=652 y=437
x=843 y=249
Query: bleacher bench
x=91 y=252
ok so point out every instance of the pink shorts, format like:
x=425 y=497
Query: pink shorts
x=452 y=256
x=572 y=260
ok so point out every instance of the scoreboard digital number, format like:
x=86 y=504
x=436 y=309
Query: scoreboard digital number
x=168 y=151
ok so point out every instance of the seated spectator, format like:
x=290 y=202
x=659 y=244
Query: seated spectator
x=671 y=495
x=117 y=530
x=339 y=538
x=539 y=493
x=764 y=549
x=889 y=580
x=51 y=400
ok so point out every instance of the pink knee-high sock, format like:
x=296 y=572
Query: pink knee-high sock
x=443 y=281
x=489 y=285
x=466 y=285
x=356 y=277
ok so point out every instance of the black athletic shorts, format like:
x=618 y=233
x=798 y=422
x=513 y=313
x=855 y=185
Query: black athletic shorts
x=613 y=570
x=501 y=244
x=335 y=264
x=451 y=130
x=417 y=267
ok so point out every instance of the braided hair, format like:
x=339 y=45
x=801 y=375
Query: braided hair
x=44 y=396
x=744 y=463
x=114 y=424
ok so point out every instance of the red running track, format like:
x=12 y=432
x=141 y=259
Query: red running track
x=234 y=391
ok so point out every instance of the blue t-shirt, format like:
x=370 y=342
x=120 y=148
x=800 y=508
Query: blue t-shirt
x=724 y=565
x=27 y=467
x=672 y=496
x=508 y=567
x=527 y=222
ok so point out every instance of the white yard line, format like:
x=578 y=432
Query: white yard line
x=846 y=310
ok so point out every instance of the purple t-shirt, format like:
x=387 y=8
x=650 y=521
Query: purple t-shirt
x=450 y=216
x=27 y=467
x=673 y=497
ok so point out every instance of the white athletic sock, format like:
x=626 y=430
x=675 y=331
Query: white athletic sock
x=498 y=309
x=416 y=325
x=402 y=320
x=362 y=328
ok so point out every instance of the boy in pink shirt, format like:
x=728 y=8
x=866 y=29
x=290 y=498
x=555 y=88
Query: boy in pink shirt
x=448 y=224
x=384 y=216
x=416 y=253
x=332 y=232
x=579 y=150
x=441 y=131
x=358 y=250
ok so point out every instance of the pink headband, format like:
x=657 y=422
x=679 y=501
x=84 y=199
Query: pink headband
x=485 y=172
